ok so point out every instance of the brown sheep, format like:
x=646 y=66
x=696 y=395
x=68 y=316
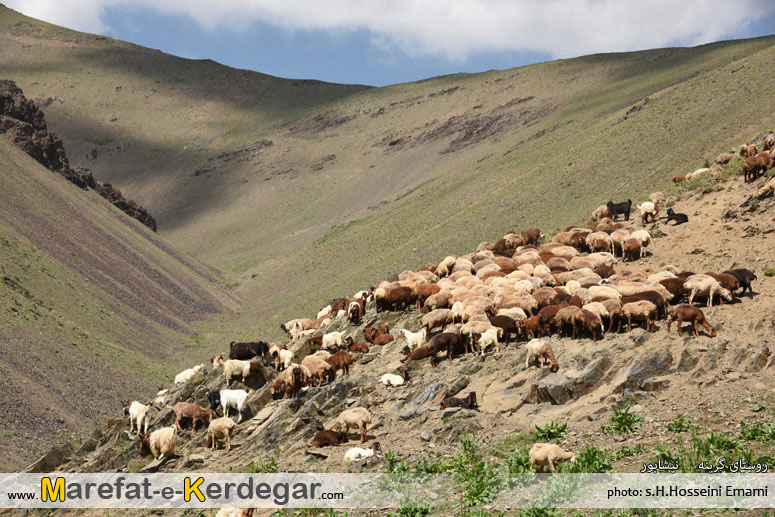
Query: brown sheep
x=769 y=142
x=319 y=369
x=724 y=158
x=383 y=338
x=399 y=298
x=640 y=311
x=341 y=361
x=631 y=250
x=676 y=287
x=329 y=437
x=529 y=327
x=291 y=380
x=532 y=236
x=754 y=165
x=564 y=317
x=363 y=348
x=419 y=353
x=679 y=179
x=587 y=320
x=747 y=151
x=423 y=291
x=726 y=281
x=193 y=411
x=686 y=312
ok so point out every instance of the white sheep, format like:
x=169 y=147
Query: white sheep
x=391 y=379
x=235 y=399
x=325 y=311
x=235 y=367
x=220 y=428
x=354 y=417
x=332 y=339
x=445 y=266
x=532 y=348
x=648 y=210
x=707 y=286
x=161 y=442
x=285 y=358
x=185 y=375
x=643 y=237
x=137 y=415
x=359 y=453
x=414 y=339
x=490 y=337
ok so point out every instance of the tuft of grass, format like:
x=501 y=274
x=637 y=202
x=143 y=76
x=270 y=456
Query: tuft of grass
x=622 y=421
x=679 y=425
x=760 y=431
x=626 y=451
x=770 y=271
x=263 y=465
x=550 y=433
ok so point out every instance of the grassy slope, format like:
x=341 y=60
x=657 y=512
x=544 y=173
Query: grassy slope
x=291 y=230
x=93 y=307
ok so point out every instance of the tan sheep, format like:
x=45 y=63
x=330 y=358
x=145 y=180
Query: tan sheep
x=220 y=429
x=705 y=285
x=161 y=442
x=640 y=311
x=549 y=454
x=354 y=417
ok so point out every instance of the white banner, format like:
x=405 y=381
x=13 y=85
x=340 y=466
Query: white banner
x=211 y=490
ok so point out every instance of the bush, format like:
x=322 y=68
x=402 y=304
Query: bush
x=262 y=466
x=622 y=421
x=679 y=425
x=551 y=432
x=770 y=271
x=589 y=460
x=626 y=451
x=762 y=432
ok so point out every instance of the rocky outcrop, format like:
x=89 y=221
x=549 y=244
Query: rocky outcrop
x=25 y=125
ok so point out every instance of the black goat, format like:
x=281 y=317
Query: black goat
x=245 y=351
x=622 y=208
x=745 y=277
x=468 y=402
x=677 y=217
x=215 y=399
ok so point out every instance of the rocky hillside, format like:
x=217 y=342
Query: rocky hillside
x=626 y=399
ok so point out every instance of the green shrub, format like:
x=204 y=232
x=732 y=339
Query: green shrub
x=770 y=271
x=762 y=432
x=263 y=465
x=589 y=460
x=622 y=421
x=679 y=425
x=550 y=433
x=626 y=451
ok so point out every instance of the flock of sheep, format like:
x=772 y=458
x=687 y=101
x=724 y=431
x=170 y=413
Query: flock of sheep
x=513 y=290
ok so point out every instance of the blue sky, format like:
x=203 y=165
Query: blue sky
x=381 y=42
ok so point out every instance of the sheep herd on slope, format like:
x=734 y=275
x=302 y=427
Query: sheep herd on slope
x=517 y=289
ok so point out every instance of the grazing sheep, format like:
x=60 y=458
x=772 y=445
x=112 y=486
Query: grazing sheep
x=220 y=429
x=769 y=188
x=648 y=212
x=677 y=217
x=601 y=212
x=421 y=353
x=291 y=380
x=235 y=367
x=137 y=415
x=358 y=453
x=744 y=278
x=414 y=339
x=529 y=327
x=755 y=165
x=490 y=337
x=341 y=361
x=747 y=150
x=643 y=237
x=235 y=399
x=437 y=318
x=658 y=198
x=686 y=312
x=631 y=250
x=193 y=411
x=161 y=442
x=391 y=379
x=768 y=142
x=319 y=369
x=679 y=179
x=354 y=417
x=185 y=375
x=329 y=437
x=620 y=209
x=424 y=291
x=549 y=454
x=640 y=311
x=468 y=402
x=723 y=158
x=725 y=280
x=445 y=266
x=541 y=350
x=596 y=308
x=705 y=285
x=332 y=339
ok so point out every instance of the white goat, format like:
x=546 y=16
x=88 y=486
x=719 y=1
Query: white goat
x=235 y=399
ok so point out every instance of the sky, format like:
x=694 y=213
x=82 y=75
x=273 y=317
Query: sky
x=380 y=42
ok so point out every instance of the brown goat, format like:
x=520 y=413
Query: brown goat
x=419 y=353
x=341 y=361
x=328 y=437
x=193 y=411
x=686 y=312
x=468 y=402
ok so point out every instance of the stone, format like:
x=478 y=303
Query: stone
x=648 y=365
x=558 y=388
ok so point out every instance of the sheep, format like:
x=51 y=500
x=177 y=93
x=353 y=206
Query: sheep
x=643 y=237
x=341 y=361
x=362 y=348
x=355 y=311
x=744 y=278
x=137 y=415
x=747 y=150
x=445 y=266
x=707 y=286
x=300 y=323
x=490 y=337
x=565 y=316
x=768 y=142
x=291 y=380
x=329 y=437
x=217 y=361
x=551 y=454
x=245 y=351
x=754 y=165
x=654 y=295
x=678 y=179
x=601 y=212
x=325 y=311
x=234 y=367
x=437 y=318
x=640 y=311
x=220 y=429
x=161 y=395
x=620 y=209
x=599 y=241
x=472 y=330
x=284 y=359
x=532 y=236
x=193 y=411
x=587 y=320
x=768 y=189
x=332 y=339
x=529 y=327
x=235 y=399
x=597 y=308
x=505 y=324
x=414 y=339
x=725 y=280
x=356 y=417
x=358 y=453
x=420 y=353
x=319 y=369
x=541 y=350
x=679 y=218
x=383 y=338
x=185 y=375
x=391 y=379
x=631 y=250
x=161 y=442
x=686 y=312
x=468 y=402
x=648 y=210
x=658 y=198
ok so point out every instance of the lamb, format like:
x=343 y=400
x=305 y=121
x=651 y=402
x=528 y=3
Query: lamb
x=744 y=278
x=437 y=318
x=235 y=399
x=677 y=217
x=185 y=375
x=328 y=437
x=640 y=311
x=686 y=312
x=707 y=286
x=468 y=402
x=532 y=236
x=414 y=339
x=529 y=327
x=490 y=337
x=654 y=296
x=325 y=311
x=284 y=359
x=620 y=209
x=137 y=415
x=245 y=351
x=220 y=429
x=354 y=417
x=341 y=361
x=391 y=379
x=332 y=339
x=291 y=380
x=193 y=411
x=161 y=395
x=358 y=453
x=648 y=210
x=541 y=350
x=543 y=454
x=234 y=367
x=161 y=442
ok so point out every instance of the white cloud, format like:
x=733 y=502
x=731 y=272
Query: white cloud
x=453 y=29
